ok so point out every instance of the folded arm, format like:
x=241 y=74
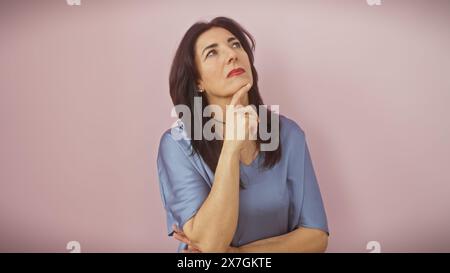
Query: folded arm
x=299 y=240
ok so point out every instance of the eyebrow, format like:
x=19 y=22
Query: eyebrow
x=215 y=44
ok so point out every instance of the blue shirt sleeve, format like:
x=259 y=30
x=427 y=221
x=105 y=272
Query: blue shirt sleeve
x=306 y=205
x=312 y=213
x=183 y=189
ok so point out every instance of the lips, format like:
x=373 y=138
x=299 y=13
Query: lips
x=235 y=72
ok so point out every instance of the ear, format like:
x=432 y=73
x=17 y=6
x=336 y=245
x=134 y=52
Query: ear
x=199 y=86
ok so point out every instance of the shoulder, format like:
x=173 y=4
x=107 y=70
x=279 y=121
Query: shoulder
x=174 y=140
x=291 y=132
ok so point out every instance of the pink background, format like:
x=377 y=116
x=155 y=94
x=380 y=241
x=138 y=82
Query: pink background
x=84 y=100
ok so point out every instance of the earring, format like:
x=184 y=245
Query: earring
x=201 y=90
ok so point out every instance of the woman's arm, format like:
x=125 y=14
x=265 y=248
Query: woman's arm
x=299 y=240
x=213 y=227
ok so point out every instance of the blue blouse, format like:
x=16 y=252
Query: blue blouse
x=274 y=201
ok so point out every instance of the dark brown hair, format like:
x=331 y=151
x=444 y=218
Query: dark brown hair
x=183 y=80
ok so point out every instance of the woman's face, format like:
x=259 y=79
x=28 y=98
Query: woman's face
x=217 y=52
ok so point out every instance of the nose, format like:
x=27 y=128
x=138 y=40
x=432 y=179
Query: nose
x=232 y=56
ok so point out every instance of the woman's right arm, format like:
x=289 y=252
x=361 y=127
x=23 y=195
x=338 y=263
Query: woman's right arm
x=213 y=226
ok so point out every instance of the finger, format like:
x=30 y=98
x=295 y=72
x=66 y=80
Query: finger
x=181 y=238
x=254 y=118
x=248 y=109
x=239 y=94
x=230 y=109
x=193 y=249
x=249 y=114
x=175 y=227
x=251 y=118
x=185 y=238
x=253 y=110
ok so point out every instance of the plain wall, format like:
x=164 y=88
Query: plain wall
x=84 y=100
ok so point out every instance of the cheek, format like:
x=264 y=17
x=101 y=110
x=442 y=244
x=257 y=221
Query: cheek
x=247 y=64
x=212 y=75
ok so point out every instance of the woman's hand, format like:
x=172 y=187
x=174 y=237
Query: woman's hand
x=241 y=115
x=180 y=236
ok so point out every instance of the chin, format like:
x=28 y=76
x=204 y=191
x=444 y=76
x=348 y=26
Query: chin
x=238 y=82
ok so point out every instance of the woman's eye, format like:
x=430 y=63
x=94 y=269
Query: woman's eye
x=209 y=53
x=213 y=52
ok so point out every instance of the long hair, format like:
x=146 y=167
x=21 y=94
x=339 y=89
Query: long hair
x=183 y=88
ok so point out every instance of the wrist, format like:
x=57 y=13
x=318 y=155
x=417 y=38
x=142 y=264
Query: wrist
x=230 y=149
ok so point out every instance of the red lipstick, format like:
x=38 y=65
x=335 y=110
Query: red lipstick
x=235 y=72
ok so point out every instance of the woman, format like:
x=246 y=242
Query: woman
x=227 y=194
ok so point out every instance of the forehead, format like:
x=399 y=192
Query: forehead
x=213 y=35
